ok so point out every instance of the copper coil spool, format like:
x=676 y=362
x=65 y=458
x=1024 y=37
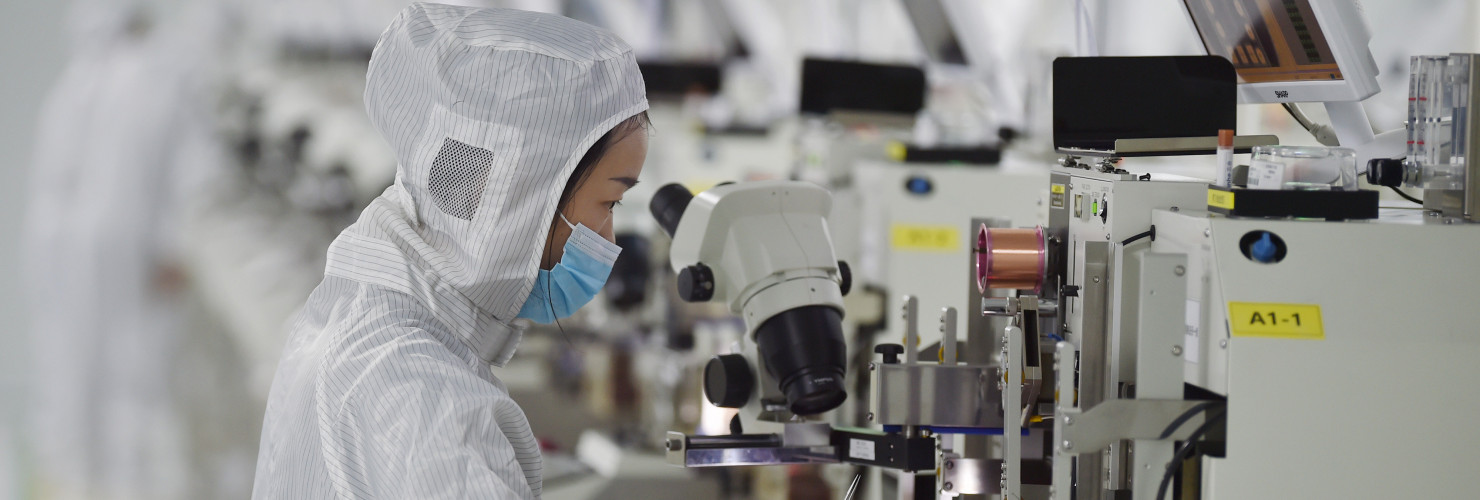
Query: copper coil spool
x=1012 y=259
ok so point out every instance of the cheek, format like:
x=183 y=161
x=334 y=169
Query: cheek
x=555 y=246
x=562 y=234
x=597 y=216
x=594 y=214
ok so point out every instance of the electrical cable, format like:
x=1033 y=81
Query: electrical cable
x=1406 y=196
x=1148 y=233
x=1186 y=451
x=1184 y=417
x=1322 y=133
x=1297 y=115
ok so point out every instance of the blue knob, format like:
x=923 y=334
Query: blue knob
x=1264 y=249
x=918 y=185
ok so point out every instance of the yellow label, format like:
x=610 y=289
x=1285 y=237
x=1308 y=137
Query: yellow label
x=896 y=150
x=1285 y=321
x=1220 y=199
x=926 y=238
x=1056 y=189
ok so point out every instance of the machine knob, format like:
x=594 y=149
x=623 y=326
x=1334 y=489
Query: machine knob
x=1263 y=249
x=891 y=352
x=696 y=283
x=847 y=275
x=728 y=381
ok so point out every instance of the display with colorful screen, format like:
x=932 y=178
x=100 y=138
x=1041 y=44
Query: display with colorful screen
x=1267 y=40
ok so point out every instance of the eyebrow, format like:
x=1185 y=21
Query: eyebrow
x=628 y=181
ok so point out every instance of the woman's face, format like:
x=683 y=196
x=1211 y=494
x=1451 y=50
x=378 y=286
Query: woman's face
x=593 y=199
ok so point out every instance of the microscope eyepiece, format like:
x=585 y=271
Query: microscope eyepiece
x=669 y=204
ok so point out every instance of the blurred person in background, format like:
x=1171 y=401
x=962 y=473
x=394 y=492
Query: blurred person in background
x=116 y=152
x=516 y=135
x=162 y=267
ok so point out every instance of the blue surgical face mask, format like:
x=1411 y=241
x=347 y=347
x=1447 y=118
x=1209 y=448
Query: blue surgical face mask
x=574 y=281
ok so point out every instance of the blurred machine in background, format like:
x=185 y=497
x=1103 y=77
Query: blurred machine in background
x=1154 y=336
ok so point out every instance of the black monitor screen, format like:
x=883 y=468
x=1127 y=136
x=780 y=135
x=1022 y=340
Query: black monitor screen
x=1097 y=100
x=829 y=85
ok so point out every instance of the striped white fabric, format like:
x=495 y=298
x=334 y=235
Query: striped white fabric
x=384 y=389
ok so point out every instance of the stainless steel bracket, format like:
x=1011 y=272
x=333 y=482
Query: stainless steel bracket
x=1092 y=431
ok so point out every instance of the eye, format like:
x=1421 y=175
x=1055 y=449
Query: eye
x=614 y=205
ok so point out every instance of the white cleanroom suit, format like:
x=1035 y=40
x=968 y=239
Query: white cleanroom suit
x=384 y=389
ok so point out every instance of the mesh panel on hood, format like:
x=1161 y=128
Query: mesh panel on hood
x=488 y=111
x=458 y=176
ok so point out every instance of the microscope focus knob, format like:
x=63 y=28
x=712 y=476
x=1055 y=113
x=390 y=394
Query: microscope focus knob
x=846 y=275
x=728 y=381
x=891 y=352
x=696 y=283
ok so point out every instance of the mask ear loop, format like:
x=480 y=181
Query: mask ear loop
x=549 y=290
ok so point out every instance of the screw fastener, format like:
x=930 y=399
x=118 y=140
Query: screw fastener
x=1176 y=350
x=1068 y=445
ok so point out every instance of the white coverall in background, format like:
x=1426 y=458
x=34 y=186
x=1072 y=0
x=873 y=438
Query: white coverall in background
x=101 y=270
x=384 y=389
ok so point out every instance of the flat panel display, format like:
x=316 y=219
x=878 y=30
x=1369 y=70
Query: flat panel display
x=1267 y=40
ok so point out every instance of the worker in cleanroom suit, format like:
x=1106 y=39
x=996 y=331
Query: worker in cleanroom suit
x=516 y=133
x=102 y=269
